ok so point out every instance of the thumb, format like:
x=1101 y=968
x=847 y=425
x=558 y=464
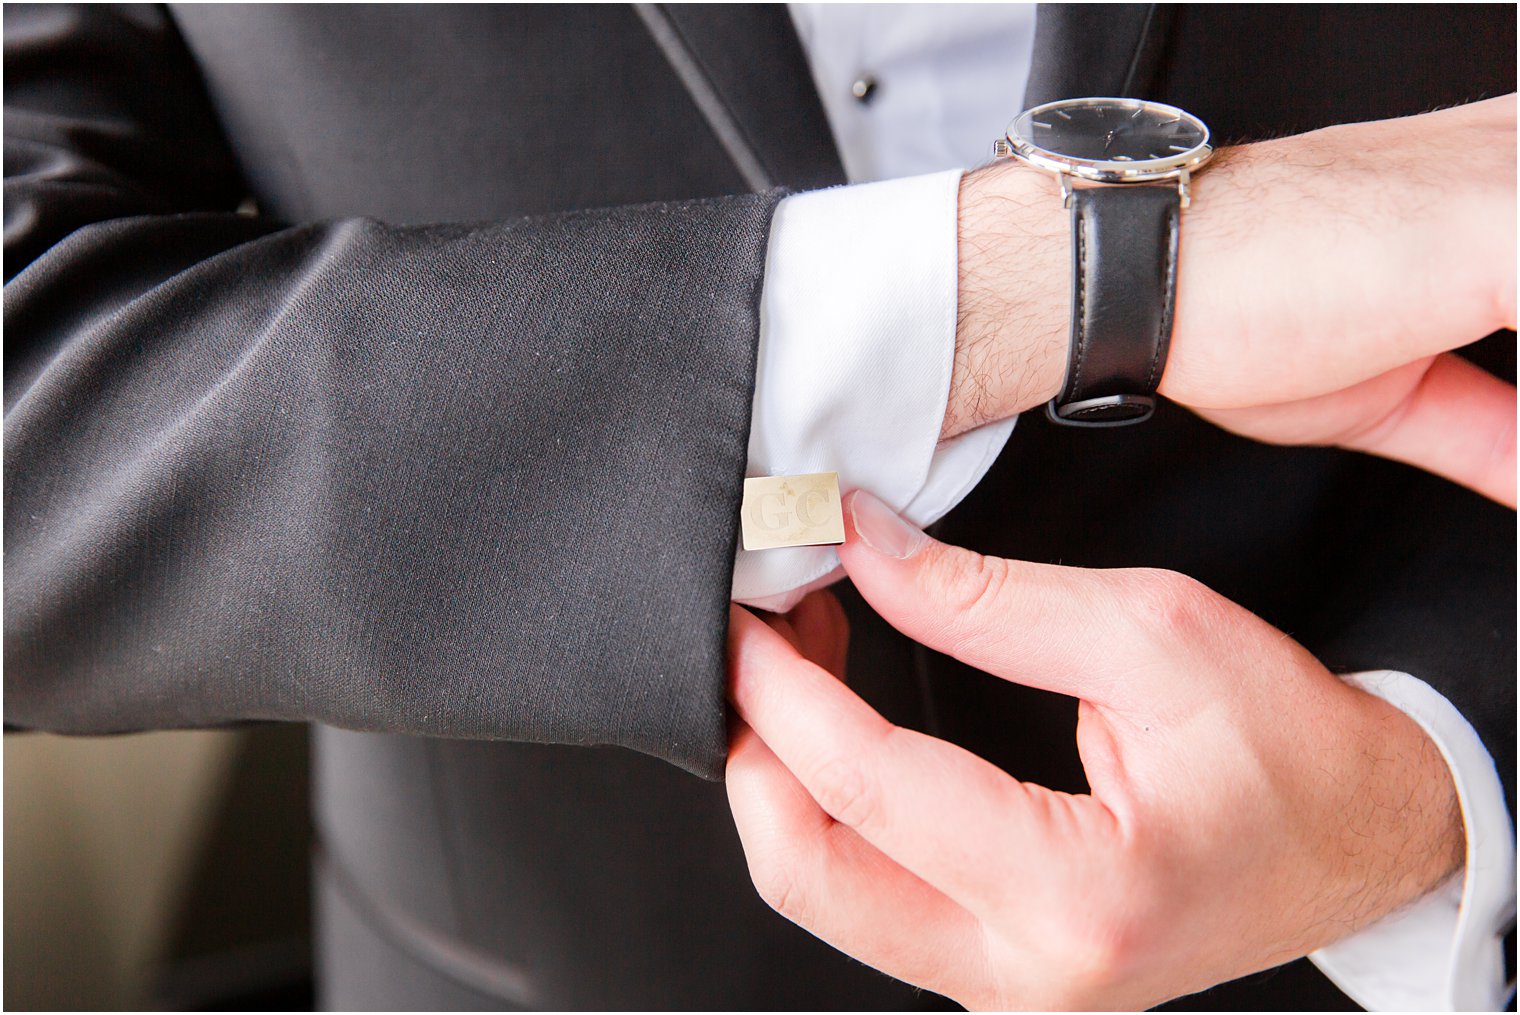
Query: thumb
x=1070 y=630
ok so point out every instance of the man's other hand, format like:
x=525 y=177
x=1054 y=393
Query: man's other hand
x=1323 y=281
x=1247 y=807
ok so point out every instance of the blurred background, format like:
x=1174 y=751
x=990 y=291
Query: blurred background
x=158 y=870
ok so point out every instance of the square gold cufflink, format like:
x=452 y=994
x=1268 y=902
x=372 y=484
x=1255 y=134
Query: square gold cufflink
x=791 y=511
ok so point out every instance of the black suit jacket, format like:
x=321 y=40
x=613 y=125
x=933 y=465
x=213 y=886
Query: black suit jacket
x=280 y=445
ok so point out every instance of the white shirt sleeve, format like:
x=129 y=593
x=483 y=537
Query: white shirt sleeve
x=1442 y=952
x=857 y=344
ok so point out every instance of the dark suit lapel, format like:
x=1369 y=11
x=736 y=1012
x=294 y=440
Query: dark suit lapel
x=1096 y=49
x=747 y=73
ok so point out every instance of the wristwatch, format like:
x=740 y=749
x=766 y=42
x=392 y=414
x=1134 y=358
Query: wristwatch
x=1123 y=166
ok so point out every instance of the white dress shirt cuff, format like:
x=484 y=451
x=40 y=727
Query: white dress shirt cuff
x=1442 y=952
x=857 y=344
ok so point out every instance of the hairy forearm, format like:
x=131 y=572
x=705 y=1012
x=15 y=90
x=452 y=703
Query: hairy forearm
x=1318 y=289
x=1012 y=318
x=1013 y=323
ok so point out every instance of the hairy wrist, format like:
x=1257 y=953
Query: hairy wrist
x=1401 y=830
x=1013 y=328
x=1013 y=307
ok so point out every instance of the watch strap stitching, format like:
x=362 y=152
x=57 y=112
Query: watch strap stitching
x=1079 y=317
x=1164 y=331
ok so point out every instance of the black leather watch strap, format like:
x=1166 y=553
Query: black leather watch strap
x=1124 y=285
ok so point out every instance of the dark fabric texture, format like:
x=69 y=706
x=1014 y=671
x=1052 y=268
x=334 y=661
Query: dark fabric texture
x=461 y=480
x=304 y=463
x=1095 y=49
x=750 y=55
x=557 y=879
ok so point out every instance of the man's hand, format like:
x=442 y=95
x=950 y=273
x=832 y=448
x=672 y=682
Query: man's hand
x=1322 y=282
x=1247 y=807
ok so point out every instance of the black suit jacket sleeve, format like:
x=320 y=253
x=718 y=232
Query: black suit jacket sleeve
x=459 y=480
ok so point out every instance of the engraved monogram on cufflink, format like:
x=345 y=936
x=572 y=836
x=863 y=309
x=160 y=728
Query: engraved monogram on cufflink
x=791 y=511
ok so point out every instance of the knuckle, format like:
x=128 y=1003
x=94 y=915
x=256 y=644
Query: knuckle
x=1115 y=941
x=1166 y=607
x=776 y=880
x=977 y=585
x=1110 y=943
x=1105 y=947
x=844 y=790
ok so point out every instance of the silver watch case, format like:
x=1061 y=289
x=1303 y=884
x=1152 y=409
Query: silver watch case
x=1067 y=168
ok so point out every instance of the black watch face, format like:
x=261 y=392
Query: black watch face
x=1110 y=130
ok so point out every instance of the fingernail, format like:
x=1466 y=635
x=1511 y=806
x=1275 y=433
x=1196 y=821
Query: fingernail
x=883 y=529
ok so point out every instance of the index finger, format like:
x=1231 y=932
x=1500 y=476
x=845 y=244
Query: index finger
x=958 y=822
